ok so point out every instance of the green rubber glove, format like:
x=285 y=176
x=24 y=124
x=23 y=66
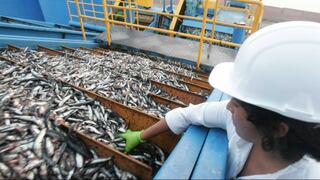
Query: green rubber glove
x=132 y=139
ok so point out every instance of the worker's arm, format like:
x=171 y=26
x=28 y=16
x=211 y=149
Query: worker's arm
x=155 y=129
x=206 y=114
x=134 y=138
x=209 y=114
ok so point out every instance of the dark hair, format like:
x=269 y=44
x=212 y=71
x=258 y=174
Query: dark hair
x=302 y=137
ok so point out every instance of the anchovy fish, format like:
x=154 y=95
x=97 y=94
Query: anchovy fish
x=32 y=145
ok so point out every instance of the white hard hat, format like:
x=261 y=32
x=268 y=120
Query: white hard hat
x=277 y=68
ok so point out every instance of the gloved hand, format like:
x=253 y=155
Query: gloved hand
x=132 y=139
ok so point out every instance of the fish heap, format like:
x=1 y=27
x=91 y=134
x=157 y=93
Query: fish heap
x=177 y=67
x=217 y=35
x=133 y=66
x=32 y=145
x=116 y=75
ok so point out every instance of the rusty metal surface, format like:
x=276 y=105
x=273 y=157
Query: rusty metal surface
x=101 y=50
x=199 y=82
x=13 y=48
x=135 y=119
x=196 y=81
x=202 y=75
x=53 y=52
x=11 y=61
x=195 y=87
x=68 y=48
x=184 y=96
x=92 y=51
x=49 y=51
x=165 y=101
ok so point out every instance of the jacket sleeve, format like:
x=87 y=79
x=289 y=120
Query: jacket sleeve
x=209 y=114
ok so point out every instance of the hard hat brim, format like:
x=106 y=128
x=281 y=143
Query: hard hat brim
x=221 y=77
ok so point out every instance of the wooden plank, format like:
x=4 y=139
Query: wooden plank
x=183 y=95
x=165 y=101
x=122 y=160
x=135 y=119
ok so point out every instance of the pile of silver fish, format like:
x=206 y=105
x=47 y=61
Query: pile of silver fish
x=186 y=70
x=119 y=76
x=217 y=35
x=32 y=145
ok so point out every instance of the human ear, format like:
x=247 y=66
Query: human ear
x=283 y=129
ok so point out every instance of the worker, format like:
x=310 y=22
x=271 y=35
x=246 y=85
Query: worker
x=273 y=118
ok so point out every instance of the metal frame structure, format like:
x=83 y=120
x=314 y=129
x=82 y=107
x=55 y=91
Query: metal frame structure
x=110 y=6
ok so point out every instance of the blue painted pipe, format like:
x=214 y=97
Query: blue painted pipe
x=170 y=9
x=88 y=26
x=33 y=42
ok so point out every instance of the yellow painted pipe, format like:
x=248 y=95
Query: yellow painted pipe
x=203 y=29
x=175 y=18
x=182 y=16
x=170 y=31
x=80 y=20
x=106 y=22
x=130 y=13
x=216 y=9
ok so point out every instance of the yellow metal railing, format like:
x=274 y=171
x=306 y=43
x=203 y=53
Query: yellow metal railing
x=105 y=12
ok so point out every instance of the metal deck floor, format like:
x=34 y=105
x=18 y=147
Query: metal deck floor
x=167 y=46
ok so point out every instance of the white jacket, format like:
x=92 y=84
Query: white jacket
x=215 y=114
